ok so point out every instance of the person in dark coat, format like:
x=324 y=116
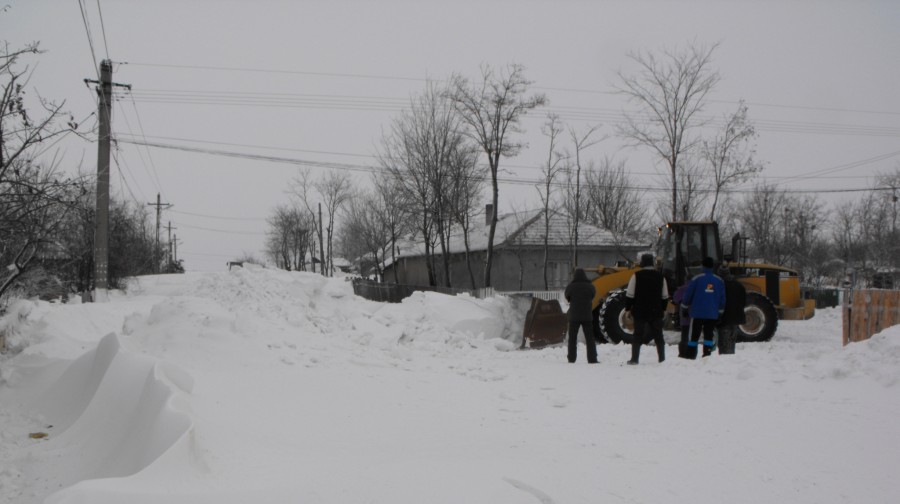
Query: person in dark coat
x=733 y=316
x=705 y=297
x=580 y=295
x=646 y=298
x=684 y=320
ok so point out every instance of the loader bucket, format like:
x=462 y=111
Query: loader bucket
x=545 y=324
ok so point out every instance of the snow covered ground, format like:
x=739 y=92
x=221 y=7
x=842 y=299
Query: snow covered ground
x=265 y=386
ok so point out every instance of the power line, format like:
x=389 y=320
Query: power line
x=548 y=88
x=506 y=180
x=847 y=166
x=277 y=71
x=122 y=173
x=214 y=230
x=219 y=217
x=148 y=164
x=103 y=29
x=370 y=156
x=87 y=29
x=251 y=146
x=391 y=104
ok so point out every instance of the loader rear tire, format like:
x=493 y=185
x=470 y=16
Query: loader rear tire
x=761 y=319
x=615 y=323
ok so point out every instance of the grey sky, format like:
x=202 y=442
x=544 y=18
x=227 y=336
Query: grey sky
x=317 y=80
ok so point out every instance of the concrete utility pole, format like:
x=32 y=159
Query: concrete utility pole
x=169 y=257
x=159 y=208
x=321 y=245
x=101 y=218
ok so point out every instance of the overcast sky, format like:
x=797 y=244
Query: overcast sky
x=316 y=81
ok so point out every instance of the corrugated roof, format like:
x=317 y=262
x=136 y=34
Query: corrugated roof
x=524 y=229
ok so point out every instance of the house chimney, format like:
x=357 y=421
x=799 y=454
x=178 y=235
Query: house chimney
x=488 y=214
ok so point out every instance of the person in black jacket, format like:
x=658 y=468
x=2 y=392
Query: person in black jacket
x=580 y=295
x=646 y=297
x=733 y=316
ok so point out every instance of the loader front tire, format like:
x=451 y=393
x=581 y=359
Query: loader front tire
x=761 y=319
x=615 y=323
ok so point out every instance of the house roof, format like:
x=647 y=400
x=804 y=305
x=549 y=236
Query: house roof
x=524 y=229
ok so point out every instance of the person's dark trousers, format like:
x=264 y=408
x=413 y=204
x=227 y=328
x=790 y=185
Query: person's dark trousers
x=683 y=351
x=727 y=339
x=706 y=327
x=589 y=340
x=646 y=331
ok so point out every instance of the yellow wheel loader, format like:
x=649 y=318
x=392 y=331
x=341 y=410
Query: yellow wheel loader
x=773 y=292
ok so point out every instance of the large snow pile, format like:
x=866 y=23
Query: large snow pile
x=268 y=387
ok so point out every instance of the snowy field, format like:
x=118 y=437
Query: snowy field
x=260 y=386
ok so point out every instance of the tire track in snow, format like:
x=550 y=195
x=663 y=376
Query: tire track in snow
x=539 y=495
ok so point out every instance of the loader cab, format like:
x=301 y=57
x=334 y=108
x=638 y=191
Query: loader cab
x=681 y=247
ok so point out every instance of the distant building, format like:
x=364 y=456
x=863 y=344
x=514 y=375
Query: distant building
x=518 y=261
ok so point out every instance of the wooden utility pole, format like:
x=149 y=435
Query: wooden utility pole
x=101 y=218
x=159 y=208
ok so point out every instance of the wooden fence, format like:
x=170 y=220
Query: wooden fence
x=867 y=312
x=395 y=293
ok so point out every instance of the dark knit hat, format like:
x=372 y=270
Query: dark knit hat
x=646 y=260
x=708 y=262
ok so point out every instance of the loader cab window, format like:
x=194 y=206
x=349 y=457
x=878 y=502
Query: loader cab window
x=692 y=246
x=667 y=250
x=700 y=241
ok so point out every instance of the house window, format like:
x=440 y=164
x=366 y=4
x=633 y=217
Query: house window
x=559 y=274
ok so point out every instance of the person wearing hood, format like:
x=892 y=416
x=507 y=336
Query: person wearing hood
x=646 y=298
x=580 y=295
x=733 y=316
x=705 y=299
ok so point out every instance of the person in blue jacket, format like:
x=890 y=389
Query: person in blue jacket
x=705 y=300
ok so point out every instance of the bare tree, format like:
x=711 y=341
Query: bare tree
x=695 y=189
x=552 y=167
x=335 y=188
x=289 y=236
x=614 y=203
x=730 y=155
x=421 y=151
x=581 y=142
x=467 y=186
x=493 y=110
x=845 y=233
x=394 y=213
x=365 y=234
x=302 y=188
x=804 y=217
x=34 y=199
x=670 y=91
x=762 y=215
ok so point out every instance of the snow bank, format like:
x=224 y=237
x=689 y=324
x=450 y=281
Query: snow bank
x=270 y=386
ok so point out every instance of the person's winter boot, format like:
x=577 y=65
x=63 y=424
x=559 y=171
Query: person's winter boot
x=632 y=362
